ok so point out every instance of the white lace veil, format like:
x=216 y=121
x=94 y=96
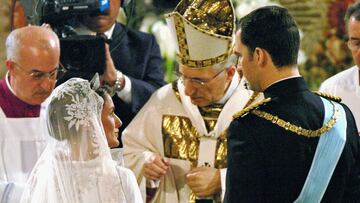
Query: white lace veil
x=76 y=165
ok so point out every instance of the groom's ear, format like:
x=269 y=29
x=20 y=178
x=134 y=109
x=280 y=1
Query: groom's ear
x=260 y=56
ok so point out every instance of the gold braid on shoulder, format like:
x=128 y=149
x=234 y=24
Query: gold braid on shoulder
x=328 y=96
x=249 y=106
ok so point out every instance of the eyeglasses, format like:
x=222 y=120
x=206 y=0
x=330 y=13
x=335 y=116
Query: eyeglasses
x=201 y=82
x=354 y=44
x=39 y=75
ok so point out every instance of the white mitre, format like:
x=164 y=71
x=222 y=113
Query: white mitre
x=202 y=31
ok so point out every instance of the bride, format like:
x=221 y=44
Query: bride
x=76 y=165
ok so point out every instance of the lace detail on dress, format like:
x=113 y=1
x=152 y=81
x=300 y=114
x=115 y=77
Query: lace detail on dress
x=78 y=112
x=78 y=106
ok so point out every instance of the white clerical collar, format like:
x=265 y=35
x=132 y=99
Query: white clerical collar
x=8 y=83
x=234 y=83
x=83 y=30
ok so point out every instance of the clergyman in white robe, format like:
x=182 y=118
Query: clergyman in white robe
x=170 y=125
x=22 y=140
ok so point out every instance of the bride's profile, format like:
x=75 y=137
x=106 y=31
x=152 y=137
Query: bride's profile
x=76 y=165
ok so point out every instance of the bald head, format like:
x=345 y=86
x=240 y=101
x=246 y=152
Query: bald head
x=33 y=55
x=33 y=41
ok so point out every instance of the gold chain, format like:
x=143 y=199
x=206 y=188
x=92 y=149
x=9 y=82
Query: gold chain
x=296 y=129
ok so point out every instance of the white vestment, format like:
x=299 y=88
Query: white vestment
x=346 y=85
x=21 y=142
x=145 y=136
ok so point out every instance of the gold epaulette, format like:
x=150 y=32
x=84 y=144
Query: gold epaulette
x=250 y=107
x=329 y=96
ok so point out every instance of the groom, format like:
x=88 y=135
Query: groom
x=294 y=145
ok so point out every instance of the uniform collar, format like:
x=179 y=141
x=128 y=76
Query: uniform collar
x=285 y=87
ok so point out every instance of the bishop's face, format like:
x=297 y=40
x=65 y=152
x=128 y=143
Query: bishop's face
x=207 y=85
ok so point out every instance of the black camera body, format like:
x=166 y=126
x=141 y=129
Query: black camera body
x=52 y=10
x=81 y=55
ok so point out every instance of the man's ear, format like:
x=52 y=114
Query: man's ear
x=261 y=57
x=230 y=72
x=10 y=65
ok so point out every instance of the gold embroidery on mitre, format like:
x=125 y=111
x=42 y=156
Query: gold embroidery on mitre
x=329 y=96
x=181 y=37
x=184 y=56
x=215 y=18
x=202 y=63
x=297 y=129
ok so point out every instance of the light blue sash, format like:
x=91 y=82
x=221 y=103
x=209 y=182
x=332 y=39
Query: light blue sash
x=327 y=154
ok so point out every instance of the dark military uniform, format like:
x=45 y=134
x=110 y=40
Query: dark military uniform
x=267 y=163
